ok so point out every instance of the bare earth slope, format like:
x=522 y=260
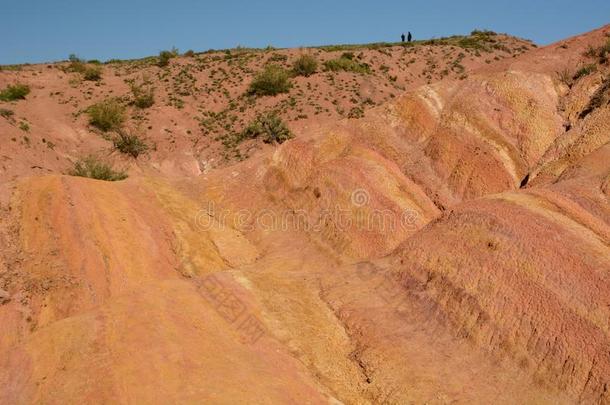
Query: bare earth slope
x=452 y=246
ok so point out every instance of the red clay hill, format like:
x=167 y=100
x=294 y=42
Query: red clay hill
x=374 y=224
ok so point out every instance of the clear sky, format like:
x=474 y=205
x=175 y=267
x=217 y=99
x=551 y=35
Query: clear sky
x=47 y=30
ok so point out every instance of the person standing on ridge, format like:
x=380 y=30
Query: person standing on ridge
x=409 y=37
x=402 y=37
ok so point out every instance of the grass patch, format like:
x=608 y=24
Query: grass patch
x=6 y=113
x=478 y=40
x=24 y=126
x=484 y=33
x=15 y=92
x=129 y=144
x=347 y=63
x=305 y=65
x=166 y=56
x=14 y=68
x=600 y=97
x=93 y=168
x=107 y=115
x=566 y=77
x=143 y=93
x=585 y=71
x=91 y=71
x=269 y=126
x=604 y=51
x=600 y=53
x=271 y=81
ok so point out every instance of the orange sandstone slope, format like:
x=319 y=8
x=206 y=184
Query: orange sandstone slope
x=452 y=246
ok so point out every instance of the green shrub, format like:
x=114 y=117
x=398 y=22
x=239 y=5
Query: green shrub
x=270 y=127
x=92 y=73
x=107 y=115
x=483 y=33
x=604 y=51
x=277 y=57
x=190 y=53
x=347 y=64
x=271 y=81
x=591 y=52
x=165 y=56
x=143 y=93
x=305 y=65
x=6 y=113
x=130 y=144
x=15 y=92
x=356 y=112
x=472 y=42
x=92 y=168
x=600 y=98
x=76 y=65
x=585 y=71
x=566 y=77
x=14 y=68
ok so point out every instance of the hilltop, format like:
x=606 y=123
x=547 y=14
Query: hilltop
x=200 y=102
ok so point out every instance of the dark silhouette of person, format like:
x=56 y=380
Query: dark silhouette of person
x=409 y=37
x=402 y=37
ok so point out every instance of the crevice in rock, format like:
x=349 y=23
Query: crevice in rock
x=525 y=180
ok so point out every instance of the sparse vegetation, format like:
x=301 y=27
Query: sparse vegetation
x=356 y=112
x=271 y=81
x=14 y=68
x=488 y=33
x=599 y=98
x=270 y=126
x=107 y=115
x=143 y=93
x=305 y=65
x=165 y=56
x=600 y=53
x=129 y=144
x=566 y=77
x=14 y=92
x=604 y=51
x=92 y=71
x=93 y=168
x=277 y=57
x=6 y=113
x=585 y=71
x=76 y=64
x=347 y=63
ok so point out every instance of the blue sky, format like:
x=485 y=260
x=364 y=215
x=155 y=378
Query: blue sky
x=47 y=30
